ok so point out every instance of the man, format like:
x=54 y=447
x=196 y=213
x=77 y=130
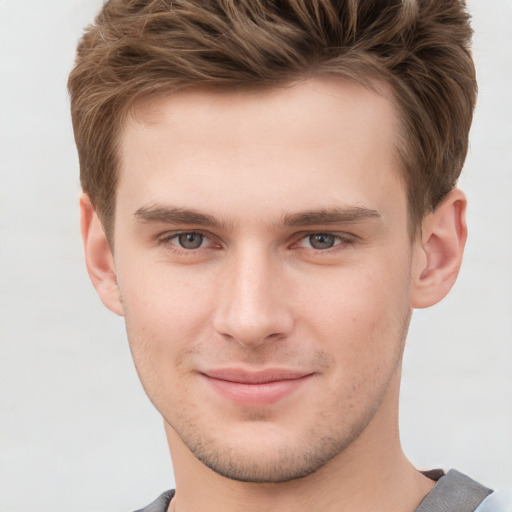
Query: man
x=269 y=190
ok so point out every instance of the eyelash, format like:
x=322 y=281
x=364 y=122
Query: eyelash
x=167 y=240
x=342 y=241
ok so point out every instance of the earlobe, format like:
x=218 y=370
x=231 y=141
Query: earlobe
x=438 y=253
x=98 y=257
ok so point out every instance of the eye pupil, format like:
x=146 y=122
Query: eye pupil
x=322 y=241
x=190 y=240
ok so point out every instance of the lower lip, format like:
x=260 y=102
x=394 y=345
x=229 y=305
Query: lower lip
x=256 y=394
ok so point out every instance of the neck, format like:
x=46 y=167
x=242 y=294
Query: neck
x=371 y=474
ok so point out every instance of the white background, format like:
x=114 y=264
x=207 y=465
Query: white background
x=76 y=432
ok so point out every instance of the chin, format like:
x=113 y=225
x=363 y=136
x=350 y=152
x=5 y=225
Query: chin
x=270 y=458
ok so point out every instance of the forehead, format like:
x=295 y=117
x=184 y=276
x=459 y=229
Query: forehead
x=299 y=146
x=329 y=103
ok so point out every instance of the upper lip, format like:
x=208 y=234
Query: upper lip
x=243 y=376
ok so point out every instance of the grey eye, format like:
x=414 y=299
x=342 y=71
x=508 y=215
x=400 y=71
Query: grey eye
x=190 y=240
x=322 y=241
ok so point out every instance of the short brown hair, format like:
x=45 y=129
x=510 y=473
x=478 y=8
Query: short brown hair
x=419 y=48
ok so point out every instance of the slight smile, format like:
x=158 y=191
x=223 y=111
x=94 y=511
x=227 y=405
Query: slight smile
x=256 y=388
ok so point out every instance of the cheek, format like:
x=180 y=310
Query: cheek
x=363 y=316
x=164 y=320
x=165 y=313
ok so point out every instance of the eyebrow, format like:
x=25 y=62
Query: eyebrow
x=172 y=215
x=325 y=216
x=331 y=216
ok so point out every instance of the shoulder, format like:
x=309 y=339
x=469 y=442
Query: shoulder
x=160 y=504
x=455 y=492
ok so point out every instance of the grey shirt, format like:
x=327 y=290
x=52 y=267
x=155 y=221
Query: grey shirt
x=453 y=492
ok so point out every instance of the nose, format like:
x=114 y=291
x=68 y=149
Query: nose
x=253 y=305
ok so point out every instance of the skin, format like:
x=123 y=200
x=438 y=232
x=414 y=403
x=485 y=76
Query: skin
x=267 y=231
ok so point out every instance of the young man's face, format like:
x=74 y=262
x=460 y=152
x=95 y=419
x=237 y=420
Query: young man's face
x=264 y=268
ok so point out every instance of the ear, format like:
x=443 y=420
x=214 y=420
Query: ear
x=438 y=251
x=98 y=257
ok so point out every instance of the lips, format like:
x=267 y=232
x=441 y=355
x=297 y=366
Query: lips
x=256 y=388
